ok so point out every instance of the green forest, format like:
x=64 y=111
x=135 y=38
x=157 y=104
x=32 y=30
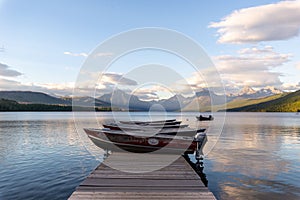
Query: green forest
x=287 y=103
x=9 y=105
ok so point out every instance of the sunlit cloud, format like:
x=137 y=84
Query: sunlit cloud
x=251 y=59
x=291 y=86
x=75 y=54
x=252 y=66
x=298 y=65
x=115 y=78
x=248 y=67
x=278 y=21
x=103 y=54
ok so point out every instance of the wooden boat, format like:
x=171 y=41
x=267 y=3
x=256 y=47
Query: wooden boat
x=169 y=130
x=120 y=126
x=142 y=122
x=141 y=143
x=202 y=118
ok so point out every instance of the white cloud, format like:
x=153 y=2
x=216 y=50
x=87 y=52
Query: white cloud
x=251 y=59
x=7 y=72
x=252 y=66
x=291 y=86
x=146 y=94
x=114 y=78
x=298 y=65
x=92 y=82
x=253 y=79
x=278 y=21
x=75 y=54
x=103 y=54
x=50 y=88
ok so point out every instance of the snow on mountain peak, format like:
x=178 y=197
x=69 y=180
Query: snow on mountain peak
x=247 y=90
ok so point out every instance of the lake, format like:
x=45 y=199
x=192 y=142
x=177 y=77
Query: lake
x=43 y=155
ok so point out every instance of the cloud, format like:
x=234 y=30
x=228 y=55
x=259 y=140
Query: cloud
x=248 y=67
x=278 y=21
x=75 y=54
x=291 y=86
x=92 y=82
x=251 y=59
x=103 y=54
x=252 y=66
x=114 y=78
x=252 y=78
x=298 y=65
x=146 y=94
x=50 y=88
x=7 y=72
x=6 y=84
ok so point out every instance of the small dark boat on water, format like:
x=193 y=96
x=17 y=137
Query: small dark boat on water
x=141 y=143
x=202 y=118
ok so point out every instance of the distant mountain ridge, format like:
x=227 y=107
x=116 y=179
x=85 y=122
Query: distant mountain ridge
x=119 y=99
x=32 y=97
x=250 y=93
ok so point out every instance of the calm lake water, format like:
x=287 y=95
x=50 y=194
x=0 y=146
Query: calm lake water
x=42 y=155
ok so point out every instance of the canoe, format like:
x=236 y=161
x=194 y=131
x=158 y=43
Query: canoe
x=141 y=143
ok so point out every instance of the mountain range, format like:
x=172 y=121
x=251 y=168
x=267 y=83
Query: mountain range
x=247 y=99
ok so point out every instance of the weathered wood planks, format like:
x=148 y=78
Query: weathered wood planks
x=176 y=181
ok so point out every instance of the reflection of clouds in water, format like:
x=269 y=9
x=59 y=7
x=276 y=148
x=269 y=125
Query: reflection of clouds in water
x=252 y=151
x=40 y=136
x=249 y=163
x=258 y=157
x=266 y=190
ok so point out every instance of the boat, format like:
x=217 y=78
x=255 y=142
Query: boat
x=151 y=123
x=116 y=140
x=202 y=118
x=143 y=122
x=120 y=126
x=167 y=129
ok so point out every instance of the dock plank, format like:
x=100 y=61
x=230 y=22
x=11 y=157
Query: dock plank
x=176 y=181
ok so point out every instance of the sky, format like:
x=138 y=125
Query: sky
x=44 y=44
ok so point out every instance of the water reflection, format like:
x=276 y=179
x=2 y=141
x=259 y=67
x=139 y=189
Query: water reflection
x=257 y=157
x=40 y=158
x=198 y=166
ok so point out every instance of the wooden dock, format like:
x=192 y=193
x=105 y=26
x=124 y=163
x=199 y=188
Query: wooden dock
x=176 y=181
